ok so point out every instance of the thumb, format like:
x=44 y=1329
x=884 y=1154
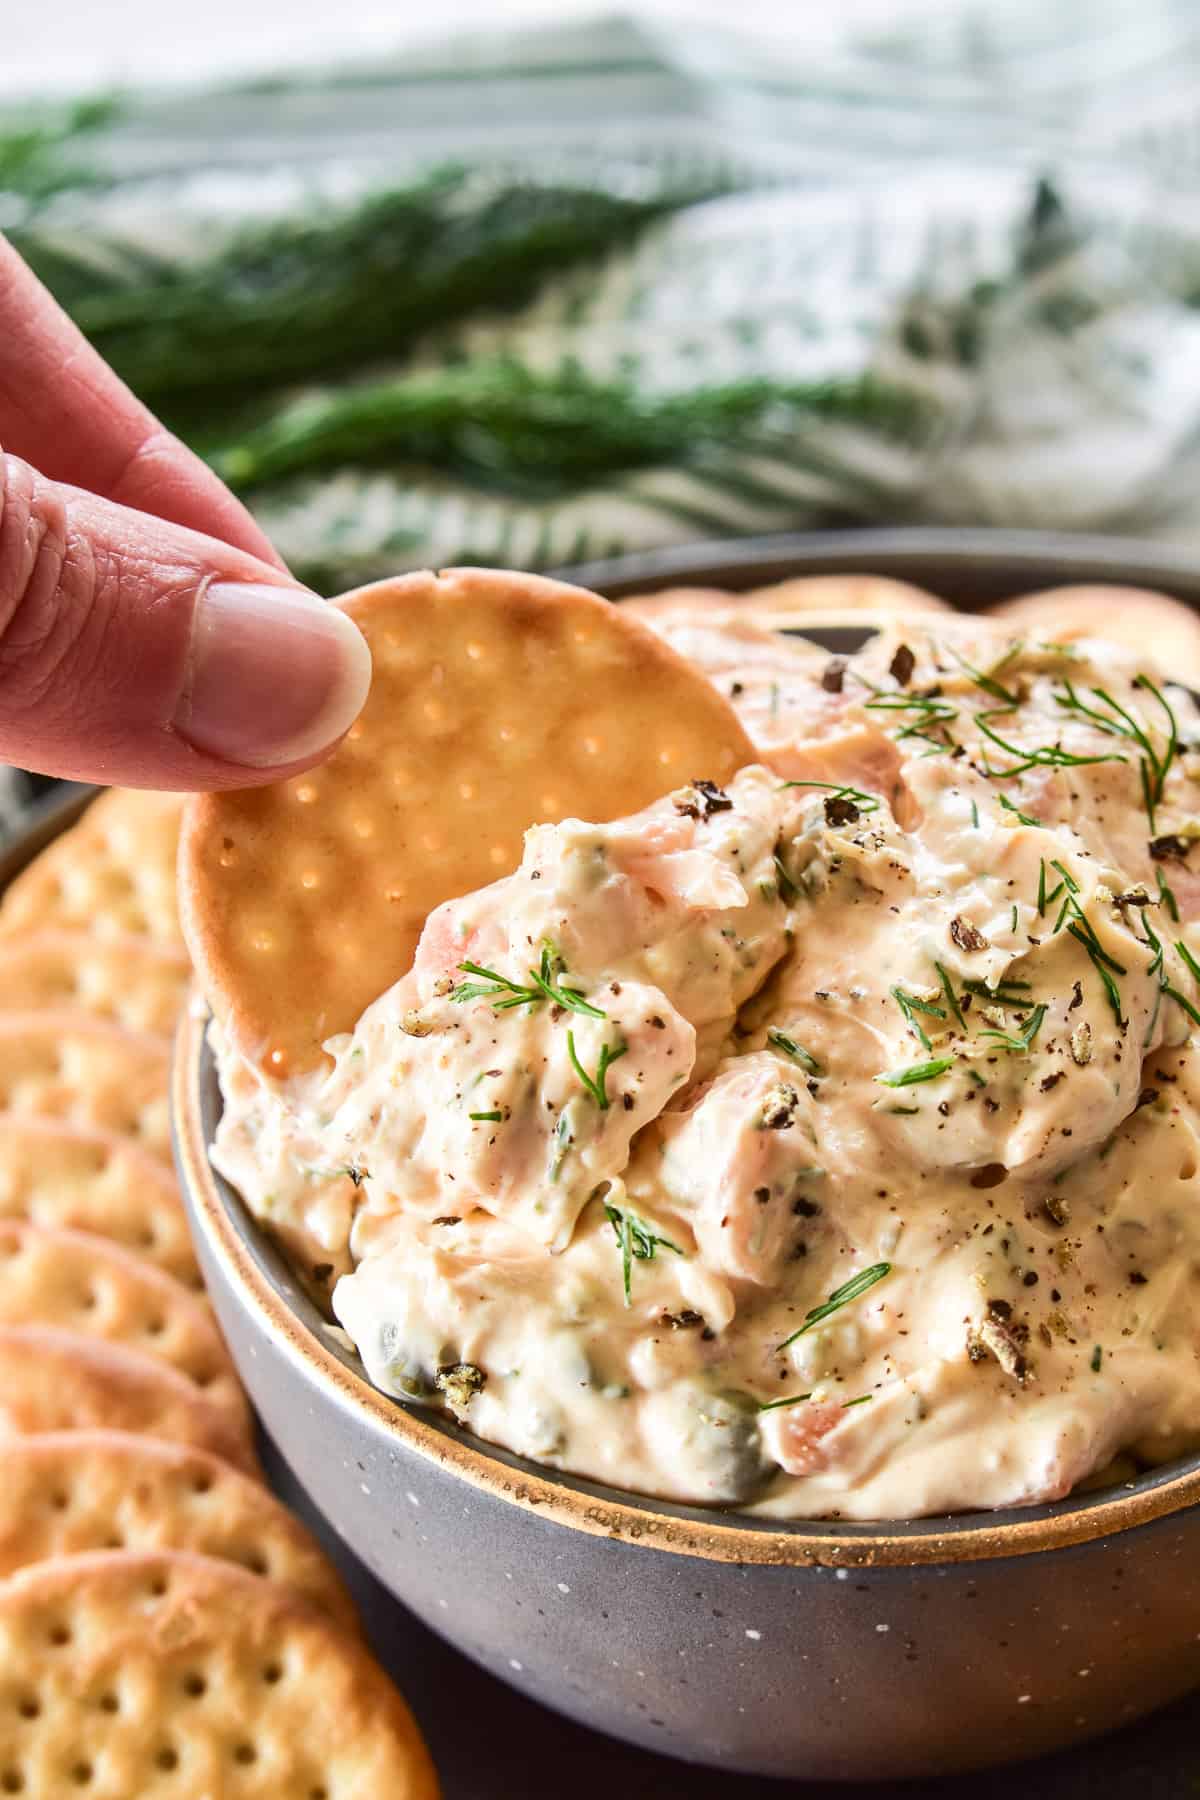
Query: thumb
x=138 y=652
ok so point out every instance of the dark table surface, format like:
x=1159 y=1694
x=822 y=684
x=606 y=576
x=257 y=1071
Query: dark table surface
x=491 y=1743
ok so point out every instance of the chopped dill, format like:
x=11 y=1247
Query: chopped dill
x=597 y=1084
x=791 y=1400
x=867 y=803
x=1025 y=818
x=796 y=1051
x=984 y=680
x=1118 y=721
x=1166 y=895
x=548 y=979
x=787 y=887
x=1097 y=1359
x=1046 y=756
x=1020 y=1042
x=492 y=1118
x=635 y=1240
x=975 y=814
x=951 y=997
x=916 y=1072
x=910 y=1005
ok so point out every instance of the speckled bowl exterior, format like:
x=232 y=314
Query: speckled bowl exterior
x=811 y=1651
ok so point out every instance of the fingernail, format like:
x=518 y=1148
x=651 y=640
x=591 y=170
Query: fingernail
x=275 y=674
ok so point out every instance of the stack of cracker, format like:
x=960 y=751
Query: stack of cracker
x=167 y=1628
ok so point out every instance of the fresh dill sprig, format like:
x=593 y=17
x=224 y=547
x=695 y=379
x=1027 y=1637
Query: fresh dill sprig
x=983 y=679
x=1046 y=756
x=787 y=887
x=1166 y=985
x=916 y=1072
x=1025 y=818
x=931 y=712
x=797 y=1052
x=791 y=1400
x=1005 y=993
x=1105 y=965
x=636 y=1241
x=912 y=1004
x=975 y=814
x=1020 y=1042
x=1118 y=721
x=494 y=1118
x=849 y=1290
x=497 y=988
x=597 y=1084
x=547 y=978
x=867 y=803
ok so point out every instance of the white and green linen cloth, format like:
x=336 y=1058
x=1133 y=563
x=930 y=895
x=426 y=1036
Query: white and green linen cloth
x=533 y=298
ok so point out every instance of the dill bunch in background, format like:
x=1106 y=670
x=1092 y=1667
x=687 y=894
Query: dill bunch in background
x=653 y=297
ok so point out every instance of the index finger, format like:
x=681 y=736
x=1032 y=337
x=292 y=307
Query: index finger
x=65 y=411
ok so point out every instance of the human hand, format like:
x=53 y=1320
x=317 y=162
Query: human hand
x=149 y=634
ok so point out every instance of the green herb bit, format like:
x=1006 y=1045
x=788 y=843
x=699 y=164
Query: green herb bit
x=975 y=814
x=796 y=1051
x=1069 y=881
x=1193 y=967
x=1097 y=1359
x=502 y=992
x=1046 y=756
x=867 y=803
x=597 y=1084
x=951 y=997
x=862 y=1400
x=791 y=1400
x=910 y=1005
x=636 y=1240
x=1102 y=962
x=849 y=1290
x=1007 y=993
x=1020 y=1042
x=547 y=978
x=1044 y=899
x=1025 y=818
x=488 y=1118
x=926 y=1071
x=562 y=1143
x=902 y=1112
x=1014 y=916
x=983 y=680
x=976 y=1077
x=1118 y=721
x=1166 y=895
x=787 y=887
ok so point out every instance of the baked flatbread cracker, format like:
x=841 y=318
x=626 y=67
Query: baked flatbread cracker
x=498 y=701
x=168 y=1674
x=69 y=1066
x=130 y=981
x=1163 y=630
x=59 y=1175
x=52 y=1380
x=72 y=1491
x=82 y=1283
x=112 y=873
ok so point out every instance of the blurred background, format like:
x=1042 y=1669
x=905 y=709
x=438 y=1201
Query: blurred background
x=535 y=285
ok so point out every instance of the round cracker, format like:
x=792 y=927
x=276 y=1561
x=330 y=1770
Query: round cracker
x=131 y=981
x=57 y=1175
x=112 y=873
x=176 y=1675
x=845 y=599
x=498 y=701
x=53 y=1380
x=68 y=1492
x=82 y=1283
x=69 y=1066
x=1153 y=625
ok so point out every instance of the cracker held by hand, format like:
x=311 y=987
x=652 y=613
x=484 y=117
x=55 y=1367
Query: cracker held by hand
x=498 y=701
x=112 y=873
x=69 y=1492
x=53 y=1380
x=130 y=981
x=59 y=1175
x=130 y=1674
x=68 y=1066
x=83 y=1283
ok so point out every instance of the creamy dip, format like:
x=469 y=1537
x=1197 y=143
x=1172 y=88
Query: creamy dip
x=825 y=1145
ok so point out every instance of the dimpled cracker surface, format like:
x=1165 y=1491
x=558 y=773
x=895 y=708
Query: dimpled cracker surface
x=113 y=873
x=59 y=1175
x=1153 y=625
x=74 y=1491
x=69 y=1066
x=497 y=701
x=177 y=1677
x=83 y=1283
x=131 y=981
x=53 y=1380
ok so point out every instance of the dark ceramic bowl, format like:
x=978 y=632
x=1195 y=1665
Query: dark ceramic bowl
x=807 y=1650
